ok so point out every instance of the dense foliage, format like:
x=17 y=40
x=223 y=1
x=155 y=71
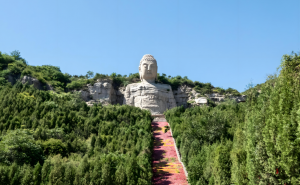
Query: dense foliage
x=15 y=65
x=257 y=142
x=50 y=138
x=204 y=137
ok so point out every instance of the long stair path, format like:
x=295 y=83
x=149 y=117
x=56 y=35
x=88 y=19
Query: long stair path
x=167 y=169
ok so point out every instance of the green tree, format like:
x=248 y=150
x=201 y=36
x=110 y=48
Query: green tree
x=90 y=74
x=17 y=55
x=19 y=146
x=37 y=174
x=54 y=146
x=27 y=177
x=46 y=171
x=69 y=174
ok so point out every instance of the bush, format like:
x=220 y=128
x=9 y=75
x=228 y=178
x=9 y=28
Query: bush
x=232 y=91
x=2 y=81
x=54 y=146
x=78 y=84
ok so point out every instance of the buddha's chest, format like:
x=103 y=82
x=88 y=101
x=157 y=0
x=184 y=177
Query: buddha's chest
x=149 y=96
x=152 y=93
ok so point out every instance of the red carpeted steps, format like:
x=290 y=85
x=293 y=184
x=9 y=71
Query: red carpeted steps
x=167 y=169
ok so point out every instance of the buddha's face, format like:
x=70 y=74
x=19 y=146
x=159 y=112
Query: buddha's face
x=148 y=71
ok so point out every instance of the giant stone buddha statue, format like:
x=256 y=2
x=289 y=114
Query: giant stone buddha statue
x=148 y=94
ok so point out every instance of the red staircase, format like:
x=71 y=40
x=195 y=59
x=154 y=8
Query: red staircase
x=167 y=169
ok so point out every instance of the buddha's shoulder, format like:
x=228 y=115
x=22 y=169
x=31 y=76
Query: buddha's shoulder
x=132 y=86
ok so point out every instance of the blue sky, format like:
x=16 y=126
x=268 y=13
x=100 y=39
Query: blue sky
x=227 y=43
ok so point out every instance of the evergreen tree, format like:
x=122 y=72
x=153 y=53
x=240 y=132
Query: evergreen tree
x=27 y=177
x=46 y=171
x=37 y=174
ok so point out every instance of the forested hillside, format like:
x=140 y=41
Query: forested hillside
x=53 y=137
x=257 y=142
x=50 y=138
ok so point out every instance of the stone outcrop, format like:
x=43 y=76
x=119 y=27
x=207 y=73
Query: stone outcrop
x=100 y=92
x=187 y=96
x=181 y=95
x=120 y=93
x=201 y=101
x=216 y=97
x=36 y=83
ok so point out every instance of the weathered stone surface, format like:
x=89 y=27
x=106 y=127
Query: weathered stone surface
x=201 y=100
x=154 y=97
x=216 y=97
x=186 y=96
x=85 y=95
x=182 y=95
x=36 y=83
x=120 y=95
x=149 y=95
x=101 y=92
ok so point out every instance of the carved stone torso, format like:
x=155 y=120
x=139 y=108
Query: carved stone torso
x=156 y=98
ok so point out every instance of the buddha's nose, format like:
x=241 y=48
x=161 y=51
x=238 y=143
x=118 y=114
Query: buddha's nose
x=149 y=67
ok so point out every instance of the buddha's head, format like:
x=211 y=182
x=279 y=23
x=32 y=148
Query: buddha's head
x=148 y=68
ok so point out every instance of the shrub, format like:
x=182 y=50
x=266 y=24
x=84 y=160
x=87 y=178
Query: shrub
x=78 y=84
x=54 y=146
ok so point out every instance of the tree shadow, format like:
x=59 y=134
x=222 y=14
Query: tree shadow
x=160 y=174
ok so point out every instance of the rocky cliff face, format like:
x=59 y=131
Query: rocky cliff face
x=104 y=92
x=36 y=83
x=181 y=95
x=120 y=92
x=100 y=92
